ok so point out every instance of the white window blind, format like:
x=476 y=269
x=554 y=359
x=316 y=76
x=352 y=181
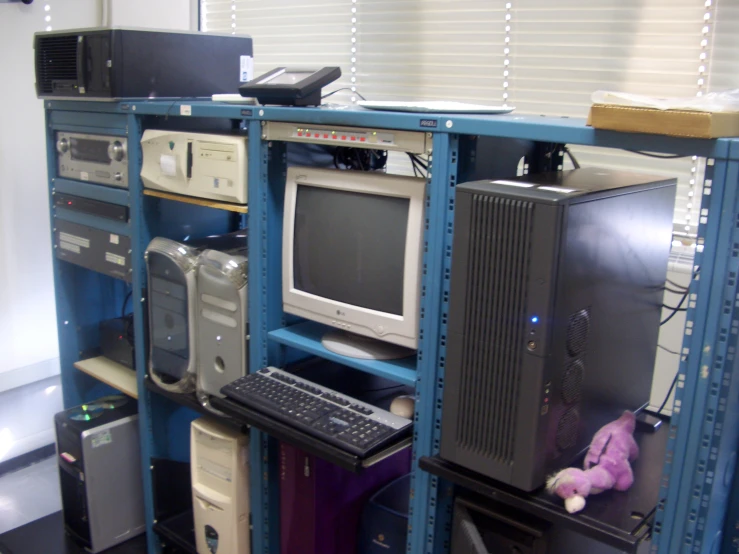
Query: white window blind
x=294 y=33
x=561 y=51
x=542 y=56
x=430 y=49
x=725 y=49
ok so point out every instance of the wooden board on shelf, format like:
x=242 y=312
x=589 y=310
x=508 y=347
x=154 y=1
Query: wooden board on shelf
x=111 y=373
x=198 y=201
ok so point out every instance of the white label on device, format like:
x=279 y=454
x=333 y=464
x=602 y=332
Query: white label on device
x=114 y=239
x=102 y=438
x=168 y=165
x=71 y=247
x=246 y=69
x=74 y=239
x=84 y=176
x=115 y=259
x=185 y=109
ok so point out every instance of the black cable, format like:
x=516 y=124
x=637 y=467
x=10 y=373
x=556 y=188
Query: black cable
x=575 y=164
x=339 y=90
x=659 y=156
x=669 y=392
x=676 y=309
x=421 y=170
x=125 y=301
x=678 y=285
x=674 y=291
x=419 y=160
x=668 y=350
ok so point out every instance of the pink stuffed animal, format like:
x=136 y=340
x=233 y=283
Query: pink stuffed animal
x=607 y=465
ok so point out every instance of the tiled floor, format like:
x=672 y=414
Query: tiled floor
x=29 y=493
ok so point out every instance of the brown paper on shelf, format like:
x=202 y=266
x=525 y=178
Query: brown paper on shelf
x=677 y=123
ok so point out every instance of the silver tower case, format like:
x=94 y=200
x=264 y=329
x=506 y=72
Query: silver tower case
x=222 y=340
x=171 y=268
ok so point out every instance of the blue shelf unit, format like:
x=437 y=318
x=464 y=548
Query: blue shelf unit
x=702 y=441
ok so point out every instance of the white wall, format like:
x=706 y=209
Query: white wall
x=155 y=14
x=27 y=317
x=28 y=335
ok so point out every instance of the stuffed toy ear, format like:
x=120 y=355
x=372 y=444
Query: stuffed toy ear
x=552 y=482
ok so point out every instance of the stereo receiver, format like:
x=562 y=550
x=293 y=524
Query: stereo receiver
x=95 y=158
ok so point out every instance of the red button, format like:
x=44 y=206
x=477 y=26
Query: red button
x=317 y=135
x=343 y=137
x=362 y=139
x=300 y=134
x=334 y=137
x=354 y=138
x=325 y=135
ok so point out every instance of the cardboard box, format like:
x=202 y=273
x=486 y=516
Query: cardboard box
x=678 y=123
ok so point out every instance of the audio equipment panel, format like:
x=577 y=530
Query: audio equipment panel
x=98 y=159
x=95 y=249
x=108 y=210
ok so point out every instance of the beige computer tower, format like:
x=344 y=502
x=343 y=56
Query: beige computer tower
x=220 y=488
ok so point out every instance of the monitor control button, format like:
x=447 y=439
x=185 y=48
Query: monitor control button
x=380 y=330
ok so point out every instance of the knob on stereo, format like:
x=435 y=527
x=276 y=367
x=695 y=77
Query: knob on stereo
x=62 y=145
x=116 y=151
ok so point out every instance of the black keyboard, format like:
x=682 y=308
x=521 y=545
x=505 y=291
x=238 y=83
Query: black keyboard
x=341 y=420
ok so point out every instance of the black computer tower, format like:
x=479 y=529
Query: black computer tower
x=556 y=293
x=99 y=457
x=100 y=63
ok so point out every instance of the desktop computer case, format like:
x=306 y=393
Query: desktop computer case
x=172 y=275
x=555 y=305
x=221 y=320
x=105 y=64
x=220 y=487
x=100 y=476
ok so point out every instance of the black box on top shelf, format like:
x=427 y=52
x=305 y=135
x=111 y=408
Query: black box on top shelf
x=101 y=63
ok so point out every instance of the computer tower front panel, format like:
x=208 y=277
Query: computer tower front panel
x=220 y=487
x=171 y=296
x=115 y=493
x=221 y=320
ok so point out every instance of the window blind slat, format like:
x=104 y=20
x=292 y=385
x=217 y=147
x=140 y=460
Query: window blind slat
x=555 y=53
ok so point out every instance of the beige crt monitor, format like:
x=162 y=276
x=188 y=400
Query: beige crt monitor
x=220 y=487
x=195 y=164
x=351 y=257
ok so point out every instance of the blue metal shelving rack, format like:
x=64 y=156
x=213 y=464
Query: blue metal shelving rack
x=703 y=433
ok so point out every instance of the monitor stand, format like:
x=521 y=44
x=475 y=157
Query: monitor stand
x=366 y=348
